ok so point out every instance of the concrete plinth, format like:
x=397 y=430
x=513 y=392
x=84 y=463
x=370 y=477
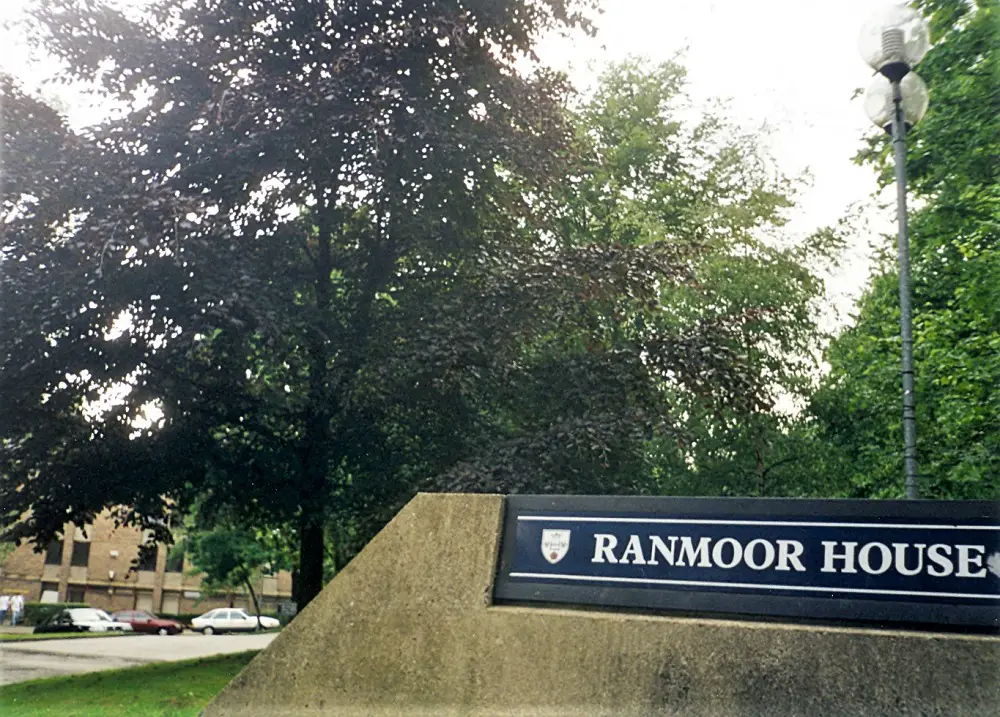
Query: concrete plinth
x=408 y=629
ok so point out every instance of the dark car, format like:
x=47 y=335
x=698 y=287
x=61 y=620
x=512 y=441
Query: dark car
x=142 y=621
x=82 y=619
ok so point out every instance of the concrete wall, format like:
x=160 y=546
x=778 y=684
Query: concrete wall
x=408 y=629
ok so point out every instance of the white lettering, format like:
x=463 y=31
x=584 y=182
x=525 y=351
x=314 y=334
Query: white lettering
x=634 y=551
x=789 y=551
x=717 y=553
x=751 y=561
x=603 y=545
x=689 y=551
x=945 y=566
x=965 y=560
x=864 y=558
x=901 y=568
x=656 y=545
x=829 y=556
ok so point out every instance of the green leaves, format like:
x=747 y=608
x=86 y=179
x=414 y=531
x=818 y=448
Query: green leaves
x=230 y=557
x=734 y=327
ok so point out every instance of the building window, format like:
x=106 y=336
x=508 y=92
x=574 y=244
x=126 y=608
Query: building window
x=147 y=558
x=53 y=553
x=50 y=592
x=76 y=593
x=81 y=554
x=175 y=560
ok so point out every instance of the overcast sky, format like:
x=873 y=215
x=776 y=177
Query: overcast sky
x=789 y=64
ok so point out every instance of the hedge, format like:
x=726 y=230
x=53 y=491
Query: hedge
x=36 y=613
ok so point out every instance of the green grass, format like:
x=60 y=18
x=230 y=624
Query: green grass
x=177 y=689
x=23 y=637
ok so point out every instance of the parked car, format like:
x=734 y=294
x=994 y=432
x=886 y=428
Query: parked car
x=231 y=620
x=142 y=621
x=82 y=619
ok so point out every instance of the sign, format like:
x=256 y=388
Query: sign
x=287 y=608
x=903 y=562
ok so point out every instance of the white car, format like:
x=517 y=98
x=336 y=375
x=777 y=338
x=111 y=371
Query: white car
x=225 y=619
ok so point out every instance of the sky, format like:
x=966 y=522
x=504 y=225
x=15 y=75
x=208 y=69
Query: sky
x=790 y=65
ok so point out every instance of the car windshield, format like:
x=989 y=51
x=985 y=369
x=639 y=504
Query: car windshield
x=90 y=615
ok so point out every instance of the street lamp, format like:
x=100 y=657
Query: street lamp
x=892 y=42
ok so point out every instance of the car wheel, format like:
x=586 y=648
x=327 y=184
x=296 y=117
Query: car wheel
x=163 y=631
x=208 y=631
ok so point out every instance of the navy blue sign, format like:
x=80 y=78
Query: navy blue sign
x=914 y=562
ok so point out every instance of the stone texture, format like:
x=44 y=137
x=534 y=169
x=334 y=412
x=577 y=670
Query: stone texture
x=408 y=630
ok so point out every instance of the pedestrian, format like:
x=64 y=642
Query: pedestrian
x=4 y=607
x=16 y=608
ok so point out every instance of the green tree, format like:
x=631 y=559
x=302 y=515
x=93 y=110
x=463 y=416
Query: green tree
x=653 y=172
x=955 y=258
x=235 y=558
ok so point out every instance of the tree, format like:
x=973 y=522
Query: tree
x=955 y=260
x=650 y=174
x=232 y=558
x=353 y=111
x=315 y=261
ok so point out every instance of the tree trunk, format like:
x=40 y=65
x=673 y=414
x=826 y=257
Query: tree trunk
x=316 y=446
x=253 y=596
x=310 y=573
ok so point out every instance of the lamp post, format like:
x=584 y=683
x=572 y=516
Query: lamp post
x=892 y=42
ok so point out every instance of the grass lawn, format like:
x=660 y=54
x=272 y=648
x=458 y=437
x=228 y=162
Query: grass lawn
x=174 y=688
x=22 y=637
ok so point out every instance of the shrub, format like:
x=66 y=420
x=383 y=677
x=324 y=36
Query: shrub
x=36 y=613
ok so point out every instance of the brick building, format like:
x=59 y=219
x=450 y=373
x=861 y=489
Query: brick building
x=93 y=566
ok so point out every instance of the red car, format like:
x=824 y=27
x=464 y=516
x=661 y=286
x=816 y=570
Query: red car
x=142 y=621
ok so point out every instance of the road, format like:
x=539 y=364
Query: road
x=21 y=661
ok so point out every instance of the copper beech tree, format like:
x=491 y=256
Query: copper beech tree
x=311 y=267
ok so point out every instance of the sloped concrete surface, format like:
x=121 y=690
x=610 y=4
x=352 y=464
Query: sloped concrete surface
x=408 y=630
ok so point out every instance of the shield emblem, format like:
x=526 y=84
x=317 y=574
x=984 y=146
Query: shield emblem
x=555 y=545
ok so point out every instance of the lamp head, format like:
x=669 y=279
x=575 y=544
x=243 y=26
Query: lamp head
x=880 y=105
x=894 y=40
